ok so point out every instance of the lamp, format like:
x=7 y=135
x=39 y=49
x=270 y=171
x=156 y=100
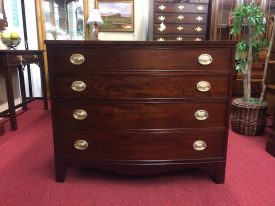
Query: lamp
x=95 y=19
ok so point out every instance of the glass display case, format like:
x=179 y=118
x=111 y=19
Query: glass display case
x=62 y=19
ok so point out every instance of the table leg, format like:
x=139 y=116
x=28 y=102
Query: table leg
x=10 y=96
x=22 y=85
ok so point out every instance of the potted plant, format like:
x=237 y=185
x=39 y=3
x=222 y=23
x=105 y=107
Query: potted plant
x=249 y=114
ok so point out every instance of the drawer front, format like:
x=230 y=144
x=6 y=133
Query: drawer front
x=180 y=8
x=127 y=115
x=155 y=58
x=180 y=29
x=100 y=145
x=139 y=85
x=179 y=37
x=13 y=59
x=180 y=18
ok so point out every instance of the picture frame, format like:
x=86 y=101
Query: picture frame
x=117 y=15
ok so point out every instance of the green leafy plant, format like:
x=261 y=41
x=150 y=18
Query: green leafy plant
x=248 y=16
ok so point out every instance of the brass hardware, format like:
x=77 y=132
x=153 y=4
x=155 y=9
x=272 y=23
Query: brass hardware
x=203 y=86
x=162 y=7
x=205 y=59
x=201 y=115
x=162 y=18
x=78 y=86
x=35 y=56
x=161 y=39
x=181 y=7
x=179 y=38
x=198 y=39
x=77 y=59
x=199 y=18
x=199 y=145
x=200 y=8
x=180 y=17
x=20 y=58
x=80 y=114
x=81 y=144
x=179 y=28
x=162 y=27
x=198 y=29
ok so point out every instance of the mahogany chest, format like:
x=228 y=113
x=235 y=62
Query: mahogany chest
x=180 y=20
x=140 y=108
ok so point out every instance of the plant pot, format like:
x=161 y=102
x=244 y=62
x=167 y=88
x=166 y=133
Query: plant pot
x=248 y=119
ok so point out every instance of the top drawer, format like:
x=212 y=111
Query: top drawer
x=138 y=58
x=180 y=8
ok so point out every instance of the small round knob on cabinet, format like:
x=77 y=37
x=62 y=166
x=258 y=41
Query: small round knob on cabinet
x=81 y=144
x=199 y=145
x=80 y=114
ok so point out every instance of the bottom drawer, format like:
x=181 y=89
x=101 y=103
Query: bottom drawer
x=107 y=145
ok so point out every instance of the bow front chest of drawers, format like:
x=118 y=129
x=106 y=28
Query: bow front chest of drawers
x=140 y=108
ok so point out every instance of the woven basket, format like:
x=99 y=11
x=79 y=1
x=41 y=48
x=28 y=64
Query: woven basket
x=248 y=119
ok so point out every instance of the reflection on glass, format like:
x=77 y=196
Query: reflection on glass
x=64 y=19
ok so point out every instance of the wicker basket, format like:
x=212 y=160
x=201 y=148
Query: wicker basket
x=248 y=119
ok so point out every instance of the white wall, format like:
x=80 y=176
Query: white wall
x=141 y=11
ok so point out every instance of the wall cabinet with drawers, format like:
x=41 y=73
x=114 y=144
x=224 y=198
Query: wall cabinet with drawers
x=181 y=20
x=140 y=108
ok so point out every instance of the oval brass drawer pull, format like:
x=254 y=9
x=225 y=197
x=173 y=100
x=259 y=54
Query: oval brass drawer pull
x=203 y=86
x=77 y=59
x=201 y=115
x=80 y=114
x=198 y=39
x=199 y=145
x=81 y=144
x=78 y=86
x=205 y=59
x=179 y=28
x=161 y=39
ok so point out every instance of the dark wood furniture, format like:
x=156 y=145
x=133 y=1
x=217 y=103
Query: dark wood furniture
x=11 y=60
x=180 y=20
x=2 y=129
x=141 y=107
x=270 y=146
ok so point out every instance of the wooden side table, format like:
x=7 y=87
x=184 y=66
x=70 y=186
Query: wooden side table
x=270 y=146
x=11 y=60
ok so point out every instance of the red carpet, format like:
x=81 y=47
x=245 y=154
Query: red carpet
x=27 y=175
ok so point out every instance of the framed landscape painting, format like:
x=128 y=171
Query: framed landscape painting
x=117 y=15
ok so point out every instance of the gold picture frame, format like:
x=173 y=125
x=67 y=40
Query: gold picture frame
x=117 y=15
